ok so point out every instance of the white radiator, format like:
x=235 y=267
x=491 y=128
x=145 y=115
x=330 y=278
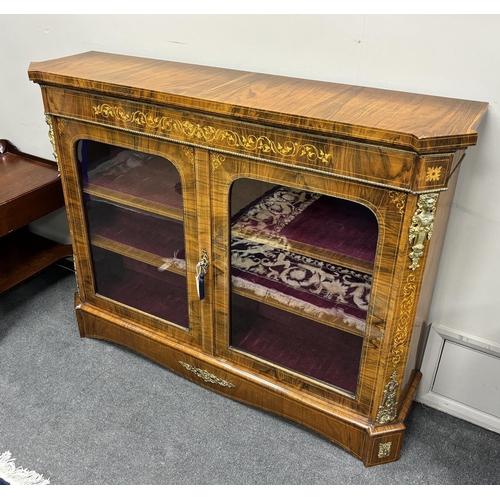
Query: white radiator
x=461 y=377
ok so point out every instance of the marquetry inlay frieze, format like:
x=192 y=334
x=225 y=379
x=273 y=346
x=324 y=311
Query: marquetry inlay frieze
x=205 y=132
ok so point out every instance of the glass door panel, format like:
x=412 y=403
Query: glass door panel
x=301 y=274
x=134 y=212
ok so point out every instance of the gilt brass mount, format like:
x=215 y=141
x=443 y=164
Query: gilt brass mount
x=422 y=226
x=206 y=376
x=388 y=409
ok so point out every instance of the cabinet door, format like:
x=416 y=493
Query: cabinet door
x=136 y=195
x=303 y=288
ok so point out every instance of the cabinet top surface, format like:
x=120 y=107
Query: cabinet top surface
x=422 y=123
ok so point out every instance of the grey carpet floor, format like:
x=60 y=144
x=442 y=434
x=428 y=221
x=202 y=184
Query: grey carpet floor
x=87 y=412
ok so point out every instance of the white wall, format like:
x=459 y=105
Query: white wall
x=449 y=55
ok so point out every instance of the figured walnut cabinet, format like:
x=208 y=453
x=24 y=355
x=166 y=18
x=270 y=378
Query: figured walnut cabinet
x=273 y=239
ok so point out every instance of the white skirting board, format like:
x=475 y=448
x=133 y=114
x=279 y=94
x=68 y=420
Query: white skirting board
x=461 y=377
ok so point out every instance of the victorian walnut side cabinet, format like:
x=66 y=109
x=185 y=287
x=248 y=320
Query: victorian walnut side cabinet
x=273 y=239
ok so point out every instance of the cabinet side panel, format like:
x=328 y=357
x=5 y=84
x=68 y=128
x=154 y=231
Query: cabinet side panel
x=420 y=326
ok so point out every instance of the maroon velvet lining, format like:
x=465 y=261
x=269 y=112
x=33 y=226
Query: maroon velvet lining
x=138 y=285
x=330 y=223
x=154 y=180
x=153 y=234
x=313 y=349
x=338 y=225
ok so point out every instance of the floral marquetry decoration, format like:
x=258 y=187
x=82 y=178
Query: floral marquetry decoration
x=210 y=134
x=433 y=174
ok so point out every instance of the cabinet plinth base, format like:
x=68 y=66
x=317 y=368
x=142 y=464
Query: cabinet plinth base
x=371 y=443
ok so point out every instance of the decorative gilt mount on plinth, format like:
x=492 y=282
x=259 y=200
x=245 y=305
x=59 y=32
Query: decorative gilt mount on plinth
x=206 y=376
x=388 y=409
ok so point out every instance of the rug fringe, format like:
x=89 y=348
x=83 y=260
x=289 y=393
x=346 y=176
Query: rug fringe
x=18 y=476
x=283 y=298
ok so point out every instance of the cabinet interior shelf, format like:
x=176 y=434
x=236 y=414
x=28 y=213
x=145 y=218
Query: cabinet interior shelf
x=138 y=180
x=133 y=202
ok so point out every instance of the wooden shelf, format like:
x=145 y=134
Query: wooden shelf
x=141 y=286
x=134 y=202
x=331 y=356
x=24 y=254
x=123 y=230
x=144 y=181
x=331 y=242
x=325 y=318
x=177 y=266
x=302 y=248
x=30 y=188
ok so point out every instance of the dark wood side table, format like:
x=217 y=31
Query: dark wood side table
x=30 y=187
